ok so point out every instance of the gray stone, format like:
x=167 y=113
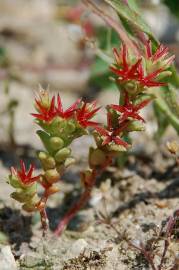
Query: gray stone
x=7 y=259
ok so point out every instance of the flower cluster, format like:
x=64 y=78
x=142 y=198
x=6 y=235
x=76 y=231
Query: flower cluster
x=137 y=74
x=80 y=111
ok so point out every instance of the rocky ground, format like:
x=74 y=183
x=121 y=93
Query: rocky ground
x=138 y=199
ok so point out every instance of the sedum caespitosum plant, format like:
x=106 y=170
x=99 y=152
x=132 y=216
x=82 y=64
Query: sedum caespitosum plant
x=134 y=76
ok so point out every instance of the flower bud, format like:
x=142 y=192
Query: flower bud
x=51 y=190
x=56 y=143
x=116 y=148
x=52 y=176
x=69 y=161
x=44 y=98
x=42 y=156
x=29 y=207
x=173 y=147
x=14 y=181
x=47 y=161
x=26 y=194
x=135 y=126
x=131 y=87
x=62 y=154
x=164 y=74
x=96 y=157
x=71 y=127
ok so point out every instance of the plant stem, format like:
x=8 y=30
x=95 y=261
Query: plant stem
x=83 y=199
x=166 y=245
x=44 y=221
x=72 y=212
x=78 y=205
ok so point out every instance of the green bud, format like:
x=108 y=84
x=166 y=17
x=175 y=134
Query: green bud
x=56 y=143
x=70 y=127
x=29 y=207
x=135 y=126
x=164 y=74
x=26 y=194
x=42 y=156
x=14 y=181
x=45 y=138
x=69 y=161
x=44 y=98
x=97 y=138
x=96 y=157
x=131 y=87
x=62 y=154
x=116 y=148
x=52 y=176
x=47 y=161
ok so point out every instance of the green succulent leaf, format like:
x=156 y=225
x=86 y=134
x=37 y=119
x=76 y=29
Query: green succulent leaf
x=45 y=138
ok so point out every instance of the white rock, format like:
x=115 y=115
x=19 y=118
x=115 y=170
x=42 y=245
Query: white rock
x=77 y=248
x=7 y=259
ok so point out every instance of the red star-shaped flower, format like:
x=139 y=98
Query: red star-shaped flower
x=123 y=69
x=48 y=112
x=111 y=135
x=69 y=112
x=85 y=113
x=25 y=177
x=136 y=72
x=161 y=54
x=129 y=109
x=45 y=113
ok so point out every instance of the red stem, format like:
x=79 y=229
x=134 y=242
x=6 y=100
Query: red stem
x=82 y=201
x=72 y=212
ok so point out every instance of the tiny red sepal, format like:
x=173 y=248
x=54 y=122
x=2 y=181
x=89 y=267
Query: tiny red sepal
x=45 y=114
x=129 y=110
x=110 y=136
x=67 y=113
x=85 y=113
x=25 y=177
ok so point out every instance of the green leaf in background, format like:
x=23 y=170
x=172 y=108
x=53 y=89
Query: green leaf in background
x=129 y=14
x=100 y=72
x=173 y=6
x=161 y=120
x=166 y=108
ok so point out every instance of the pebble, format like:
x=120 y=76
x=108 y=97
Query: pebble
x=7 y=259
x=77 y=248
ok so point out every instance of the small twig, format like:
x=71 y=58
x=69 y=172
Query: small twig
x=146 y=254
